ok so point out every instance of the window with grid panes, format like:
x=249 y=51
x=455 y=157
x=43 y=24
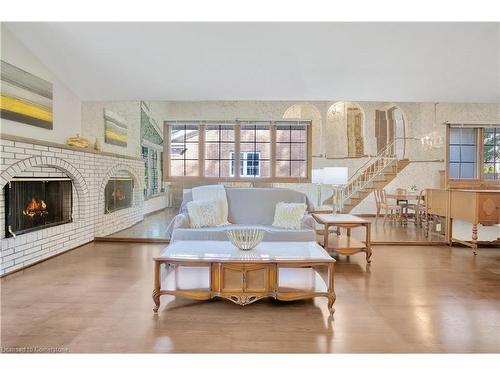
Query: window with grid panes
x=291 y=150
x=462 y=153
x=184 y=143
x=145 y=158
x=219 y=148
x=491 y=153
x=216 y=148
x=154 y=172
x=255 y=150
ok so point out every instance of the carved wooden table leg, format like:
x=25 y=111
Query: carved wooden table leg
x=368 y=242
x=426 y=225
x=156 y=290
x=331 y=288
x=325 y=236
x=474 y=238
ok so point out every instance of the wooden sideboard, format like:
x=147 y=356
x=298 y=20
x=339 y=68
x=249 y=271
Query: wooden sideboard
x=469 y=205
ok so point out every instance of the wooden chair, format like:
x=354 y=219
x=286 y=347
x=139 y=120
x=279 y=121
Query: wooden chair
x=393 y=210
x=420 y=210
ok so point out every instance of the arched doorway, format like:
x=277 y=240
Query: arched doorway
x=308 y=111
x=390 y=129
x=346 y=123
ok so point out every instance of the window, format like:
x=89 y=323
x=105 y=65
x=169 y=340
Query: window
x=255 y=150
x=462 y=153
x=219 y=150
x=291 y=150
x=184 y=139
x=249 y=164
x=154 y=172
x=266 y=150
x=145 y=157
x=491 y=153
x=152 y=169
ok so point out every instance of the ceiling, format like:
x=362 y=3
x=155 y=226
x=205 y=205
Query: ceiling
x=271 y=61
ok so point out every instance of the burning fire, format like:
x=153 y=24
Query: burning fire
x=118 y=194
x=35 y=207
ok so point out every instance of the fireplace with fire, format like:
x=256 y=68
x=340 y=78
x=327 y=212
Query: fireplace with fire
x=118 y=194
x=36 y=203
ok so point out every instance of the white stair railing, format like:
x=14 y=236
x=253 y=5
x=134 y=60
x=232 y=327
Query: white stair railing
x=367 y=173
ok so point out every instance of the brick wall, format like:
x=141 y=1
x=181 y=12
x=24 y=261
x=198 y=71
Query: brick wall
x=89 y=172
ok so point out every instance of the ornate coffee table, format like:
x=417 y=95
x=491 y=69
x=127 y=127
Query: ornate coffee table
x=203 y=270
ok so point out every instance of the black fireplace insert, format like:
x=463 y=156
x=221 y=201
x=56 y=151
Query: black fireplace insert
x=118 y=194
x=36 y=203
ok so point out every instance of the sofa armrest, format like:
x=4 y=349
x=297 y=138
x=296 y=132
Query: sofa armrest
x=179 y=221
x=308 y=222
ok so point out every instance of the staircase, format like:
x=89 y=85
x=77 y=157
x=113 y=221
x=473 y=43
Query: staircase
x=375 y=174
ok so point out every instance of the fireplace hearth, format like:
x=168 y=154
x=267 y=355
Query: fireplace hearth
x=37 y=203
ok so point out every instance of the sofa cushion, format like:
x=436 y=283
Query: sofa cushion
x=289 y=215
x=202 y=213
x=256 y=205
x=219 y=233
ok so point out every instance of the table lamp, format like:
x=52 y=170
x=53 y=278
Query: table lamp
x=336 y=176
x=317 y=178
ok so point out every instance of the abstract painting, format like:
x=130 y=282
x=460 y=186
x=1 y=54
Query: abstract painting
x=115 y=129
x=25 y=98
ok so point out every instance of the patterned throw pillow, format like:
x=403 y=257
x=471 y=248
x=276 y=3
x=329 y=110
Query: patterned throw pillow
x=202 y=213
x=289 y=215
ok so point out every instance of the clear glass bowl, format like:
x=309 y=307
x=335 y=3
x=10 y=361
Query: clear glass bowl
x=245 y=239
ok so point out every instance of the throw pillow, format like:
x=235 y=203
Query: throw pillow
x=289 y=215
x=202 y=213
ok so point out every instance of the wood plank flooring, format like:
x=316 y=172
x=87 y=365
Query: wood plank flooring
x=97 y=298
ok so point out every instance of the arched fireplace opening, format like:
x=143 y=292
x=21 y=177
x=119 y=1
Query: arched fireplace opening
x=119 y=191
x=37 y=203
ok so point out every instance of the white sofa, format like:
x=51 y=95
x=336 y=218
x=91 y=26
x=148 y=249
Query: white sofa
x=247 y=207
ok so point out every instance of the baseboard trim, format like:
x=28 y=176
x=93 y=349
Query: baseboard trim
x=132 y=239
x=409 y=243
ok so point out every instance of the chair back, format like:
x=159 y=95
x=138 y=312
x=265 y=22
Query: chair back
x=383 y=198
x=400 y=191
x=421 y=199
x=377 y=197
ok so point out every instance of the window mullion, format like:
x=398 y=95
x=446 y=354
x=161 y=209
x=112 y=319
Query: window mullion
x=237 y=148
x=166 y=151
x=201 y=150
x=273 y=150
x=480 y=153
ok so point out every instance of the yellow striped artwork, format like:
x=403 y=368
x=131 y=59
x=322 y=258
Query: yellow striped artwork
x=20 y=106
x=25 y=98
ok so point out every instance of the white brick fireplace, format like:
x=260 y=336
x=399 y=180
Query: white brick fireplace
x=89 y=172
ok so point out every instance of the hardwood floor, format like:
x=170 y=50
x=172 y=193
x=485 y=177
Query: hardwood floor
x=97 y=298
x=153 y=226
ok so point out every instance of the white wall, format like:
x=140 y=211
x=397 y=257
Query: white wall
x=66 y=105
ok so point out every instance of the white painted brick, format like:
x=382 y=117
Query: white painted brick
x=90 y=170
x=7 y=264
x=10 y=149
x=24 y=145
x=6 y=142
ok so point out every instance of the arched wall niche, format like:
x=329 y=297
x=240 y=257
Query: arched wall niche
x=345 y=130
x=307 y=111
